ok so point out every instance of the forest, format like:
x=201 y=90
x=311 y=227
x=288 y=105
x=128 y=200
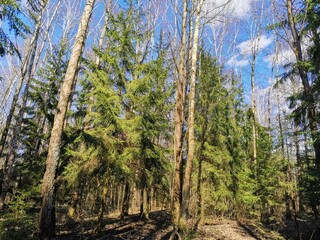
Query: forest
x=159 y=119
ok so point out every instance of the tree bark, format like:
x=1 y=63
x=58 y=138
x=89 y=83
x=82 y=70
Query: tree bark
x=126 y=200
x=145 y=203
x=254 y=53
x=312 y=115
x=72 y=209
x=13 y=146
x=191 y=147
x=269 y=115
x=253 y=107
x=27 y=69
x=15 y=99
x=178 y=124
x=103 y=203
x=47 y=213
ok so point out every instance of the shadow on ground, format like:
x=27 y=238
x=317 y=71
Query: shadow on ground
x=158 y=227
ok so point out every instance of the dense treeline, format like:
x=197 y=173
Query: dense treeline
x=148 y=118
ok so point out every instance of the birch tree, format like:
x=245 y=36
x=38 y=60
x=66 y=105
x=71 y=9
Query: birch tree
x=25 y=78
x=47 y=213
x=191 y=140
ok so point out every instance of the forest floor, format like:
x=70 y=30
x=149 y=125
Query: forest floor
x=158 y=227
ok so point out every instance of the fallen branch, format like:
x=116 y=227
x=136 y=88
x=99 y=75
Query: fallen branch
x=312 y=234
x=175 y=233
x=124 y=233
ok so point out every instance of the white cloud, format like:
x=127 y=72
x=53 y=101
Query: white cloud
x=262 y=43
x=245 y=47
x=228 y=8
x=265 y=42
x=244 y=50
x=236 y=61
x=285 y=56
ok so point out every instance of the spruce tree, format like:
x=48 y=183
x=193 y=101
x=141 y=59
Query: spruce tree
x=47 y=214
x=43 y=100
x=9 y=13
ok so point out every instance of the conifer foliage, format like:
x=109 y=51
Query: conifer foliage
x=150 y=119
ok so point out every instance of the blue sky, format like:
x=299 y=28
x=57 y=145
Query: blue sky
x=236 y=25
x=231 y=26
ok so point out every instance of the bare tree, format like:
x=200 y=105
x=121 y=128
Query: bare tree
x=26 y=76
x=179 y=123
x=255 y=37
x=191 y=146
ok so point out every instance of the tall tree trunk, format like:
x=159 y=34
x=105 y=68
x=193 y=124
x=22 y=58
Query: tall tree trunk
x=27 y=69
x=47 y=214
x=254 y=53
x=298 y=160
x=24 y=71
x=253 y=108
x=148 y=203
x=280 y=125
x=8 y=92
x=13 y=146
x=141 y=202
x=145 y=203
x=299 y=169
x=312 y=115
x=103 y=202
x=178 y=124
x=126 y=200
x=191 y=147
x=269 y=114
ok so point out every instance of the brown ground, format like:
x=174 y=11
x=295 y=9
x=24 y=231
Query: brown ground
x=132 y=227
x=230 y=230
x=158 y=227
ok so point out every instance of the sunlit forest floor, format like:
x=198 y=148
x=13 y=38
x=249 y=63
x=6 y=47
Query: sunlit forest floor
x=158 y=227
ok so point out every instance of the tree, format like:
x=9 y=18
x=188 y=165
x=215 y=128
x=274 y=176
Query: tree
x=120 y=145
x=38 y=120
x=255 y=35
x=9 y=13
x=25 y=78
x=179 y=123
x=191 y=127
x=303 y=73
x=47 y=214
x=225 y=182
